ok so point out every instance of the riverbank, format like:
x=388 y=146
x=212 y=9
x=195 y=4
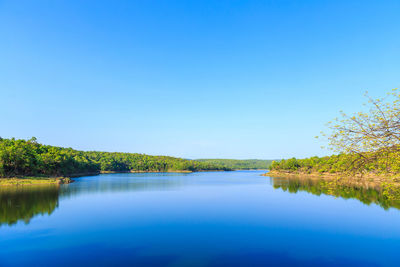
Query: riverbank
x=19 y=181
x=30 y=180
x=368 y=179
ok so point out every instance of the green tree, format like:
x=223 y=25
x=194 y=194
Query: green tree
x=370 y=137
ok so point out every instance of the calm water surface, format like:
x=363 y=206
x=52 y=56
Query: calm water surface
x=200 y=219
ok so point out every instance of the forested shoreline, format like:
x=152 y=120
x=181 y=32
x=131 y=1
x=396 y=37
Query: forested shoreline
x=240 y=164
x=338 y=164
x=343 y=167
x=19 y=158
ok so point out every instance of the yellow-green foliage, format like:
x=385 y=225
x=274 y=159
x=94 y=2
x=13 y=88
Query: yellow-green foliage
x=368 y=141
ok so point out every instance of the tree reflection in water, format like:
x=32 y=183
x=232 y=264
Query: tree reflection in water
x=22 y=203
x=386 y=196
x=25 y=202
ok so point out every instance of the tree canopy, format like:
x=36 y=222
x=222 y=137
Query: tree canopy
x=30 y=158
x=372 y=136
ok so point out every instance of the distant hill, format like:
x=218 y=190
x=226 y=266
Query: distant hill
x=239 y=164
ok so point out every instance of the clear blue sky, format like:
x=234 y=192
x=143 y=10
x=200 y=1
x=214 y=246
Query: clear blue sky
x=195 y=79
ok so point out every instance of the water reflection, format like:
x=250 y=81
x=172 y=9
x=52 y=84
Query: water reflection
x=23 y=203
x=365 y=194
x=123 y=182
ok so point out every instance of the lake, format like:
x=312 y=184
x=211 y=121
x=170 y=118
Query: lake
x=196 y=219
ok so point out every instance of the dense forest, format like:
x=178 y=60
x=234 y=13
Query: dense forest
x=237 y=164
x=20 y=157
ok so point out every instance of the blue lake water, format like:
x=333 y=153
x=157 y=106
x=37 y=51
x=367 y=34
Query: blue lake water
x=199 y=219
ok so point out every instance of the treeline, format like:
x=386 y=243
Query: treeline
x=20 y=157
x=236 y=164
x=341 y=163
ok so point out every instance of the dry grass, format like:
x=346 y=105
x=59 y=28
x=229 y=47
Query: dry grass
x=33 y=181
